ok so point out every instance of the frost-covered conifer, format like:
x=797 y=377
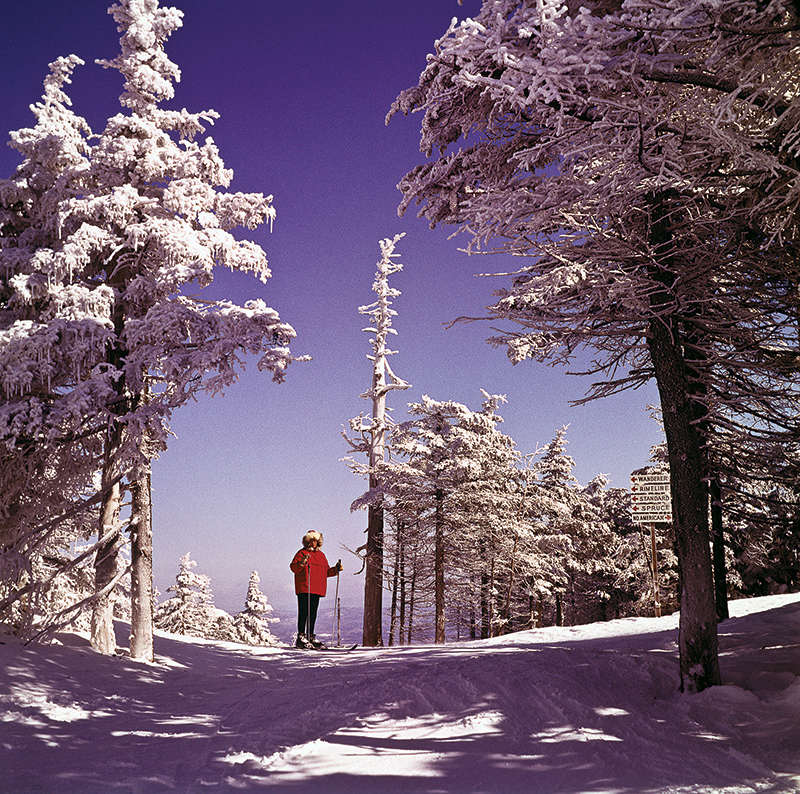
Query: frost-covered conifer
x=253 y=622
x=100 y=339
x=190 y=610
x=643 y=155
x=451 y=478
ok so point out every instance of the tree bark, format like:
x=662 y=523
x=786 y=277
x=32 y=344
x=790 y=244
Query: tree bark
x=107 y=556
x=438 y=573
x=412 y=598
x=718 y=551
x=697 y=636
x=682 y=411
x=105 y=569
x=142 y=569
x=372 y=633
x=395 y=591
x=484 y=604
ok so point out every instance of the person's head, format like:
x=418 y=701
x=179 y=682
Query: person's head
x=312 y=535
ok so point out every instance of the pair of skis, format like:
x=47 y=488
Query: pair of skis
x=325 y=649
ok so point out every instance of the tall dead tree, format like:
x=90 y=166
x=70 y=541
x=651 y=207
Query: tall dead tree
x=373 y=433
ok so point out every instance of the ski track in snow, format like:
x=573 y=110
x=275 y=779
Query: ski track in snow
x=582 y=710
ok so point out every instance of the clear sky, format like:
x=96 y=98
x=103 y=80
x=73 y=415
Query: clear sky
x=303 y=88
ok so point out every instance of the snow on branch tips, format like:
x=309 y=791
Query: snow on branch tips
x=104 y=252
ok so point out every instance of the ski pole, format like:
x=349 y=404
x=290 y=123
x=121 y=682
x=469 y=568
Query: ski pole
x=335 y=607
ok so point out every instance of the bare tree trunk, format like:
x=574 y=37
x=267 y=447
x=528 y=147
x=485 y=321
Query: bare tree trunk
x=372 y=635
x=484 y=585
x=105 y=570
x=697 y=636
x=506 y=613
x=107 y=556
x=484 y=604
x=402 y=627
x=490 y=594
x=718 y=551
x=142 y=569
x=395 y=590
x=412 y=597
x=473 y=621
x=438 y=572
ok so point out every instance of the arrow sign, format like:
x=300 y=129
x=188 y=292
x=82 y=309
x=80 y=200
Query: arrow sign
x=650 y=478
x=650 y=498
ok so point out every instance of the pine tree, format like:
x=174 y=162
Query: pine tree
x=191 y=609
x=100 y=341
x=253 y=622
x=651 y=179
x=447 y=484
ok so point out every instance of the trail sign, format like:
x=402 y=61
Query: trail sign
x=651 y=504
x=650 y=498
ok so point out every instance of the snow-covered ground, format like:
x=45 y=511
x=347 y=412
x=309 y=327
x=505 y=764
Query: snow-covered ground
x=586 y=709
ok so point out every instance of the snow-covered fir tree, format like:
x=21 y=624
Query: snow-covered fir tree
x=644 y=156
x=498 y=542
x=450 y=473
x=100 y=339
x=253 y=622
x=191 y=608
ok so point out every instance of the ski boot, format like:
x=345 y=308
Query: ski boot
x=318 y=645
x=303 y=642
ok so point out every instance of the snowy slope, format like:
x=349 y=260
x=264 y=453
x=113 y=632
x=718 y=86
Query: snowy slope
x=587 y=709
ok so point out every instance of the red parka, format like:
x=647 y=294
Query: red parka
x=315 y=572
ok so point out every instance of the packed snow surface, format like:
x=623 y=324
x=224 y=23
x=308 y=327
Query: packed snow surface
x=582 y=709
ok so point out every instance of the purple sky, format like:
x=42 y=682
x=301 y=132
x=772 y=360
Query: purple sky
x=303 y=88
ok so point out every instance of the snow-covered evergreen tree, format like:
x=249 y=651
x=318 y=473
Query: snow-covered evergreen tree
x=190 y=610
x=99 y=338
x=503 y=546
x=644 y=156
x=253 y=622
x=449 y=482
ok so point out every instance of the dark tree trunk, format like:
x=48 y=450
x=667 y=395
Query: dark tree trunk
x=683 y=412
x=412 y=597
x=373 y=586
x=484 y=604
x=395 y=590
x=403 y=594
x=698 y=644
x=718 y=551
x=438 y=565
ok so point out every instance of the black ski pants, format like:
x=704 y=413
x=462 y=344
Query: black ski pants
x=307 y=605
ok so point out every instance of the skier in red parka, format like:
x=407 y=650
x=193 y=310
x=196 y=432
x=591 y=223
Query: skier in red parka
x=311 y=572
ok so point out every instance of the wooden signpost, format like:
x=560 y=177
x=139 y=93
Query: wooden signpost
x=651 y=504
